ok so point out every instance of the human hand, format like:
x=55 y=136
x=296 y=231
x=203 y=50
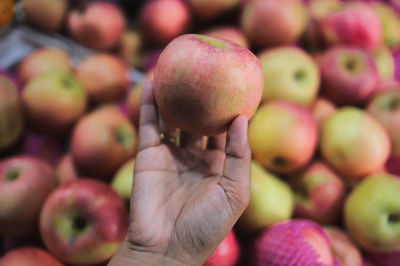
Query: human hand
x=185 y=198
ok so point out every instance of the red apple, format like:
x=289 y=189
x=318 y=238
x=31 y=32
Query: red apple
x=11 y=120
x=228 y=33
x=46 y=15
x=319 y=194
x=164 y=20
x=41 y=61
x=226 y=254
x=29 y=256
x=209 y=9
x=83 y=222
x=102 y=141
x=384 y=259
x=202 y=83
x=104 y=77
x=66 y=170
x=322 y=109
x=274 y=22
x=349 y=75
x=343 y=249
x=355 y=24
x=97 y=25
x=25 y=183
x=296 y=242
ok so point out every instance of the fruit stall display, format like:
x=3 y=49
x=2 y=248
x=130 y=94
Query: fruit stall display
x=318 y=79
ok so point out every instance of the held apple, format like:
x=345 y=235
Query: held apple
x=283 y=136
x=29 y=256
x=226 y=254
x=164 y=20
x=41 y=61
x=202 y=83
x=53 y=101
x=25 y=183
x=271 y=201
x=104 y=77
x=322 y=109
x=385 y=63
x=354 y=143
x=11 y=119
x=123 y=179
x=390 y=22
x=83 y=222
x=228 y=33
x=97 y=25
x=102 y=141
x=273 y=22
x=349 y=75
x=319 y=194
x=290 y=74
x=46 y=15
x=209 y=9
x=385 y=107
x=372 y=213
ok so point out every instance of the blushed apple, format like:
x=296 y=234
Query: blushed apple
x=283 y=136
x=66 y=170
x=54 y=101
x=385 y=107
x=228 y=33
x=385 y=63
x=290 y=74
x=41 y=61
x=322 y=109
x=349 y=75
x=31 y=256
x=46 y=15
x=123 y=179
x=209 y=9
x=25 y=183
x=390 y=23
x=274 y=22
x=271 y=201
x=372 y=213
x=102 y=141
x=354 y=143
x=319 y=194
x=97 y=25
x=202 y=83
x=83 y=222
x=226 y=254
x=104 y=77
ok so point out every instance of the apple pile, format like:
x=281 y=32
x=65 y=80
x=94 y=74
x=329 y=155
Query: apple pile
x=316 y=79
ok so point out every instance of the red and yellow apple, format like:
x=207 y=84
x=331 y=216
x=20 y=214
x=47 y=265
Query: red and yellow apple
x=390 y=23
x=123 y=179
x=385 y=63
x=322 y=109
x=228 y=33
x=29 y=256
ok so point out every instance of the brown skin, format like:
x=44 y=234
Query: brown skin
x=31 y=256
x=102 y=141
x=25 y=183
x=185 y=199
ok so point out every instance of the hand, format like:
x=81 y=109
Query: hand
x=185 y=198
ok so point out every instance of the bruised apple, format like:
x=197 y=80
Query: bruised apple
x=202 y=83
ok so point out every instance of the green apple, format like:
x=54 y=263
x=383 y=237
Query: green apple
x=290 y=74
x=271 y=201
x=390 y=22
x=385 y=63
x=372 y=213
x=123 y=179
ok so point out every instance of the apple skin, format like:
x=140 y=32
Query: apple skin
x=41 y=61
x=295 y=242
x=209 y=9
x=322 y=109
x=385 y=107
x=290 y=74
x=371 y=213
x=163 y=20
x=226 y=254
x=271 y=201
x=46 y=15
x=54 y=101
x=384 y=259
x=349 y=75
x=104 y=77
x=343 y=248
x=319 y=194
x=66 y=170
x=273 y=22
x=123 y=179
x=385 y=63
x=283 y=136
x=83 y=222
x=354 y=143
x=129 y=47
x=86 y=28
x=229 y=33
x=355 y=24
x=31 y=256
x=11 y=119
x=390 y=22
x=202 y=83
x=102 y=141
x=25 y=183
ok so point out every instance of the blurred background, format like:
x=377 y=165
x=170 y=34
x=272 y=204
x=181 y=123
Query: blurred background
x=325 y=138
